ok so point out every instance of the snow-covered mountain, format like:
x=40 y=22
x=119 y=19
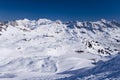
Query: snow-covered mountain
x=40 y=49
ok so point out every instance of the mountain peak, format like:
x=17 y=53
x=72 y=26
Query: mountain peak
x=103 y=20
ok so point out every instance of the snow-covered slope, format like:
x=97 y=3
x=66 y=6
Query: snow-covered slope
x=108 y=70
x=51 y=47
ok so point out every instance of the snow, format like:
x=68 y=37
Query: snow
x=103 y=71
x=44 y=49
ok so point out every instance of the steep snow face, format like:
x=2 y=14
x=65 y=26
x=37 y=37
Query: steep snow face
x=47 y=46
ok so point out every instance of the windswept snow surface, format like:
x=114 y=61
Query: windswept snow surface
x=50 y=50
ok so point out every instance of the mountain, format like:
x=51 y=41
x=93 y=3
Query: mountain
x=45 y=50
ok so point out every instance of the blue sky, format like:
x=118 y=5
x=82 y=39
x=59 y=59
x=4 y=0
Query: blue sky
x=60 y=9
